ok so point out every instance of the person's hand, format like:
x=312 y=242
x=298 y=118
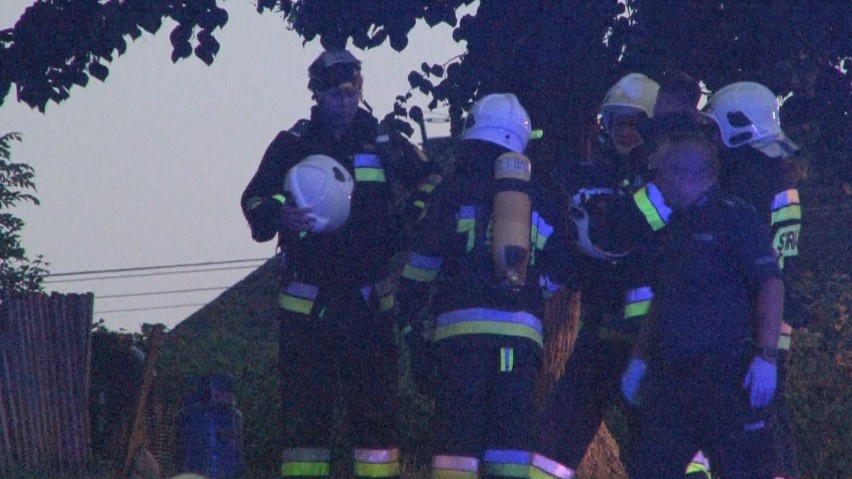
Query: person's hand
x=631 y=379
x=295 y=219
x=761 y=380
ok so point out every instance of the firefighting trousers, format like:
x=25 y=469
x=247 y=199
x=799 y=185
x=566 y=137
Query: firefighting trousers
x=699 y=404
x=485 y=397
x=587 y=390
x=340 y=350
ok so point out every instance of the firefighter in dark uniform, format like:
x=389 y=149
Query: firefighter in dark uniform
x=602 y=191
x=704 y=367
x=333 y=332
x=759 y=165
x=488 y=298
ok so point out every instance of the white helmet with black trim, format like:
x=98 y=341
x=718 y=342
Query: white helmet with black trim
x=592 y=242
x=321 y=183
x=747 y=114
x=499 y=118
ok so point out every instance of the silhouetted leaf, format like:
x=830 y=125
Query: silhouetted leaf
x=416 y=114
x=98 y=71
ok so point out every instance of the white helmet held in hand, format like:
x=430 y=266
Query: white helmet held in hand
x=321 y=183
x=499 y=118
x=747 y=113
x=634 y=91
x=588 y=213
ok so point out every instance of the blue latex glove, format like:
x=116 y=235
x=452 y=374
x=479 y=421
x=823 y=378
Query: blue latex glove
x=761 y=378
x=631 y=379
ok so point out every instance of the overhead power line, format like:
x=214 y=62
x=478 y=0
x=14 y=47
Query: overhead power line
x=160 y=293
x=149 y=308
x=148 y=268
x=161 y=273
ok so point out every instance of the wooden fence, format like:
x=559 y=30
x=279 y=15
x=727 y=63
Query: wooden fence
x=45 y=357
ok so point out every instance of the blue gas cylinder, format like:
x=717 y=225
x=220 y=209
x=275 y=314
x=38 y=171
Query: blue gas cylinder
x=210 y=432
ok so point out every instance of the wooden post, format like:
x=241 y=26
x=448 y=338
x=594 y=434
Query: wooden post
x=137 y=434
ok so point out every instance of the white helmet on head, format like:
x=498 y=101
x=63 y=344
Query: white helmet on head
x=324 y=185
x=747 y=114
x=634 y=91
x=499 y=118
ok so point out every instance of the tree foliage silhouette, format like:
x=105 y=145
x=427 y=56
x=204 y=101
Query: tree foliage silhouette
x=18 y=273
x=558 y=57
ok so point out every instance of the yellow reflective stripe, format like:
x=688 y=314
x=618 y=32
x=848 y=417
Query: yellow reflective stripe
x=427 y=187
x=253 y=202
x=639 y=308
x=507 y=359
x=696 y=467
x=539 y=230
x=791 y=212
x=302 y=469
x=422 y=268
x=467 y=225
x=365 y=469
x=420 y=204
x=506 y=470
x=488 y=327
x=784 y=341
x=295 y=304
x=450 y=474
x=280 y=198
x=652 y=216
x=370 y=174
x=386 y=303
x=419 y=274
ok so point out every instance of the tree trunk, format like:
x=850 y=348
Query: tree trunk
x=561 y=321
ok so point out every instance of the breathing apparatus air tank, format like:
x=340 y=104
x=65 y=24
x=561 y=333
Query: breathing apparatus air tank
x=510 y=242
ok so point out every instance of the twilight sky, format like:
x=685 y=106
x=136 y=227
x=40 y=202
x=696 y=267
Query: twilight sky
x=147 y=168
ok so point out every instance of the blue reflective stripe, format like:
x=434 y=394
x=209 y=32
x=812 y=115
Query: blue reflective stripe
x=547 y=285
x=637 y=302
x=455 y=467
x=425 y=262
x=369 y=160
x=422 y=268
x=307 y=454
x=642 y=293
x=785 y=198
x=508 y=455
x=467 y=211
x=302 y=290
x=506 y=463
x=488 y=321
x=541 y=231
